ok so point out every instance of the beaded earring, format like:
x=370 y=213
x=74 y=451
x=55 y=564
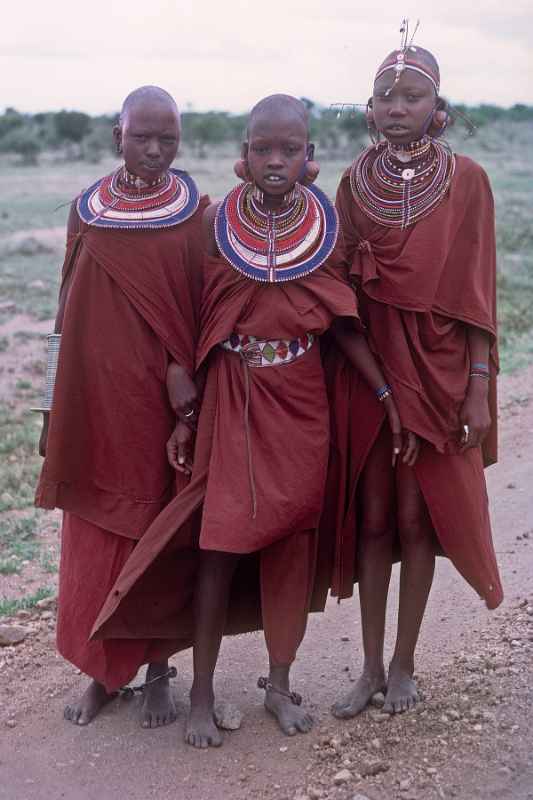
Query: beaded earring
x=371 y=125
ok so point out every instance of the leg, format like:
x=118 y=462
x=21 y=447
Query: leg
x=287 y=571
x=158 y=705
x=417 y=540
x=210 y=608
x=374 y=562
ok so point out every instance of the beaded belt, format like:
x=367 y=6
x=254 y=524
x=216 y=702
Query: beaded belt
x=268 y=352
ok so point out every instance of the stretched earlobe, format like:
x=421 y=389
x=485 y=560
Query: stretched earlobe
x=312 y=168
x=241 y=170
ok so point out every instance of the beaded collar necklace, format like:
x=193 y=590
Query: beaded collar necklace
x=398 y=185
x=279 y=246
x=122 y=200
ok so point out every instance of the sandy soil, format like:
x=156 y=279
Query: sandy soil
x=469 y=739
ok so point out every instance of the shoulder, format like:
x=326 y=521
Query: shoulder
x=469 y=171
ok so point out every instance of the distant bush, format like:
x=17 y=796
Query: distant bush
x=24 y=141
x=72 y=126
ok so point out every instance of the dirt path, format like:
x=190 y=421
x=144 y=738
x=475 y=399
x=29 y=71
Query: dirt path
x=469 y=740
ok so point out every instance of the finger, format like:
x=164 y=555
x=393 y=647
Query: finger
x=396 y=447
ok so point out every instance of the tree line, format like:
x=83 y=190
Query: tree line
x=76 y=135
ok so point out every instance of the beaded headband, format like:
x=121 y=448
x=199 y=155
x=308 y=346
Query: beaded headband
x=406 y=58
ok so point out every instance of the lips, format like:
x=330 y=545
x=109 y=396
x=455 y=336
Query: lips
x=274 y=179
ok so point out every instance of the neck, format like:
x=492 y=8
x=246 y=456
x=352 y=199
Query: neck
x=271 y=202
x=411 y=150
x=132 y=182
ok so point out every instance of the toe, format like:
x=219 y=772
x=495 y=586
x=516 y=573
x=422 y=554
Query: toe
x=67 y=712
x=146 y=720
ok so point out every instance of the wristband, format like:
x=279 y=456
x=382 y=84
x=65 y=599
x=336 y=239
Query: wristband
x=54 y=343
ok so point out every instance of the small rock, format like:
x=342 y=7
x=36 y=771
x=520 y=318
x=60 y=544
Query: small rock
x=283 y=749
x=431 y=770
x=47 y=615
x=227 y=716
x=378 y=700
x=345 y=638
x=373 y=768
x=342 y=777
x=444 y=719
x=360 y=796
x=313 y=793
x=11 y=634
x=11 y=723
x=454 y=714
x=376 y=744
x=22 y=613
x=47 y=604
x=378 y=716
x=511 y=485
x=405 y=784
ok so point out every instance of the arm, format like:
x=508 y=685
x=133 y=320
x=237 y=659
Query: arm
x=475 y=410
x=356 y=349
x=208 y=229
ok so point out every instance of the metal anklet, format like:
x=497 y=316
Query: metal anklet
x=129 y=691
x=294 y=697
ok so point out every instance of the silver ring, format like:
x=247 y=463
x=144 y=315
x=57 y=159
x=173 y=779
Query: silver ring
x=466 y=433
x=190 y=413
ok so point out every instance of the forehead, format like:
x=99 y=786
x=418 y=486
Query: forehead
x=151 y=114
x=277 y=124
x=409 y=80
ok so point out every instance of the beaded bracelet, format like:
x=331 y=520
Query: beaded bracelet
x=484 y=375
x=479 y=366
x=384 y=392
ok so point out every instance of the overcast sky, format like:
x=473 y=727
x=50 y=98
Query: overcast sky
x=228 y=54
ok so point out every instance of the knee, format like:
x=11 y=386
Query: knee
x=376 y=530
x=414 y=529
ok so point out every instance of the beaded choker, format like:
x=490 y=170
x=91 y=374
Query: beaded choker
x=399 y=185
x=122 y=200
x=276 y=246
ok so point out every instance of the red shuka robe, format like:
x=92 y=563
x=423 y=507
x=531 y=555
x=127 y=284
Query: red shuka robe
x=418 y=291
x=288 y=443
x=132 y=304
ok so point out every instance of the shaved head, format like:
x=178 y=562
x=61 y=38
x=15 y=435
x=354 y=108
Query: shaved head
x=147 y=95
x=278 y=105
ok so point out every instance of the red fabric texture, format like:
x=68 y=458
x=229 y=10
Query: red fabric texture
x=288 y=433
x=91 y=559
x=133 y=299
x=418 y=291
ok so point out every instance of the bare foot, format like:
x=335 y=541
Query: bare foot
x=158 y=705
x=360 y=696
x=401 y=694
x=292 y=719
x=201 y=730
x=93 y=699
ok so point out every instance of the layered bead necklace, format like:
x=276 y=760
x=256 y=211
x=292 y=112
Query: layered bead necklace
x=397 y=185
x=275 y=246
x=122 y=200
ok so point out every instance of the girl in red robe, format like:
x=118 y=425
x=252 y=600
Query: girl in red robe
x=273 y=283
x=418 y=225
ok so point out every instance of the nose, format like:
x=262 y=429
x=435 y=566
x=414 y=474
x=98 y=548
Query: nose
x=275 y=160
x=397 y=107
x=153 y=149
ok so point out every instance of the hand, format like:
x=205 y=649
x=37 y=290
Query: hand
x=182 y=393
x=475 y=414
x=179 y=448
x=395 y=426
x=44 y=434
x=411 y=448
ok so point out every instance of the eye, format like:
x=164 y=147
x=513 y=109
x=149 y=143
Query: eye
x=260 y=149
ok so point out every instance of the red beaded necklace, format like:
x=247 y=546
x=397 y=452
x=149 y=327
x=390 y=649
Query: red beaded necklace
x=398 y=185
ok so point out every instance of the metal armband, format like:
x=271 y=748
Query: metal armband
x=54 y=343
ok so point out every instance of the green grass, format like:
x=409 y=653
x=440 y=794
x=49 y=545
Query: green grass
x=19 y=461
x=9 y=607
x=18 y=542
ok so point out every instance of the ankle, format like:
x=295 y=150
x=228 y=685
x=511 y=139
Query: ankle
x=403 y=664
x=279 y=676
x=373 y=670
